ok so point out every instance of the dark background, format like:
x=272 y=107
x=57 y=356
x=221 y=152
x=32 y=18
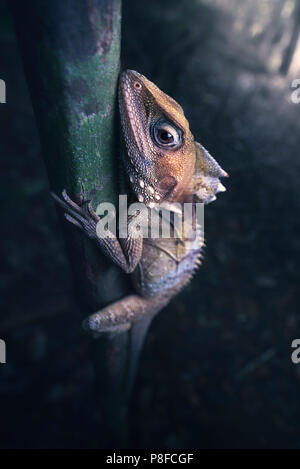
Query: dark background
x=216 y=371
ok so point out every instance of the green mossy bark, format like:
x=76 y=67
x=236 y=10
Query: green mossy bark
x=71 y=54
x=71 y=51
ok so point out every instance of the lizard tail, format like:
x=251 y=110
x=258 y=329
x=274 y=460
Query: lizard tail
x=133 y=312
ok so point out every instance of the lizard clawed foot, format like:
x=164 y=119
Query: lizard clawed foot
x=82 y=216
x=95 y=330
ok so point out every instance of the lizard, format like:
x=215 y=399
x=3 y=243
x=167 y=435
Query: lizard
x=163 y=164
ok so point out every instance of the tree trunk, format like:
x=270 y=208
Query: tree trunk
x=70 y=51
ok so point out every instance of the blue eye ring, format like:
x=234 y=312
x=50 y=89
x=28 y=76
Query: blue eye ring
x=166 y=135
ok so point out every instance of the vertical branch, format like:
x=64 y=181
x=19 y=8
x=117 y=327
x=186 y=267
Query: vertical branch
x=70 y=51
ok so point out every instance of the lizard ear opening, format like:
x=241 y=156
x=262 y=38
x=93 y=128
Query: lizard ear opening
x=166 y=185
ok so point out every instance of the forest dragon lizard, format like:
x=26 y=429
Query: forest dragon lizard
x=162 y=164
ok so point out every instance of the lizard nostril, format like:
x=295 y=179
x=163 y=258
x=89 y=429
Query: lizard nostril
x=137 y=85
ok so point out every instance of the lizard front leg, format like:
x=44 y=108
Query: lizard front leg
x=125 y=253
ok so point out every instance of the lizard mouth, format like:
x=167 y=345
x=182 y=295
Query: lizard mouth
x=142 y=188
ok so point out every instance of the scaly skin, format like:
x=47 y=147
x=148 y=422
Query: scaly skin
x=163 y=165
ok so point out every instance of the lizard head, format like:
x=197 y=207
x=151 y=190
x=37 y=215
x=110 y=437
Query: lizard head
x=163 y=162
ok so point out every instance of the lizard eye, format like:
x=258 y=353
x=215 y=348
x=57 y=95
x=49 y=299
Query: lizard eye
x=166 y=135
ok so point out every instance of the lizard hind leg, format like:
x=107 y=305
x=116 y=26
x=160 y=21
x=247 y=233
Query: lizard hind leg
x=121 y=313
x=133 y=312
